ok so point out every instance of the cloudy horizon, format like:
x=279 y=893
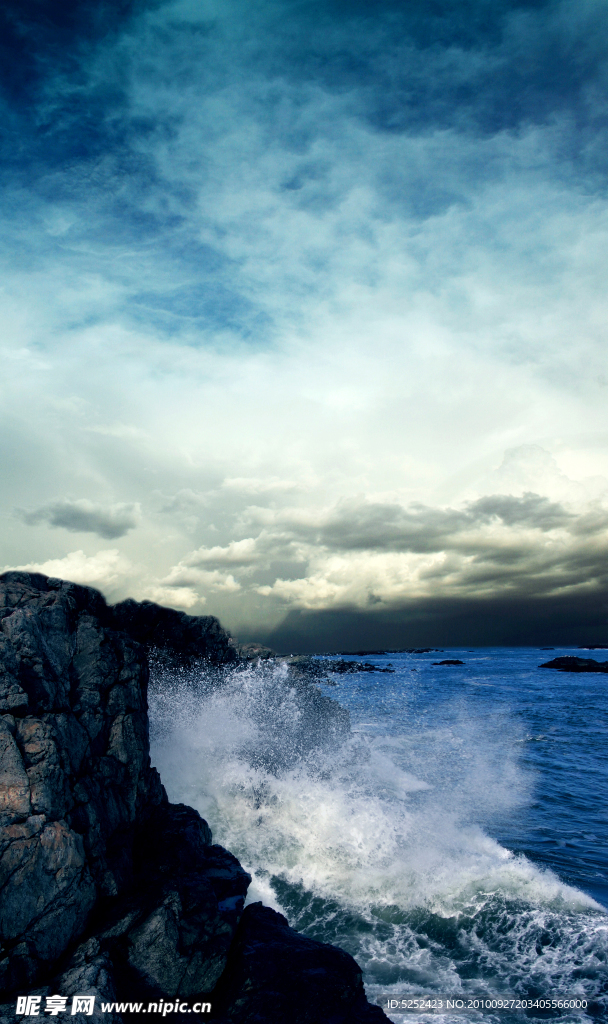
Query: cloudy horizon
x=304 y=313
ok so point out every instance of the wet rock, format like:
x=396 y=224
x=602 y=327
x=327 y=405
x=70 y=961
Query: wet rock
x=69 y=807
x=172 y=934
x=449 y=661
x=85 y=822
x=107 y=889
x=90 y=972
x=46 y=892
x=276 y=975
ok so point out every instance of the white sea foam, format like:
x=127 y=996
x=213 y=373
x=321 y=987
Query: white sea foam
x=345 y=829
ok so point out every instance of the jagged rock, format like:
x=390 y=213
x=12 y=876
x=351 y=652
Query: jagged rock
x=276 y=975
x=79 y=795
x=75 y=755
x=107 y=889
x=177 y=926
x=175 y=635
x=90 y=972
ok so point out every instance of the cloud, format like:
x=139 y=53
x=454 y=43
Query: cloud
x=259 y=485
x=370 y=555
x=362 y=554
x=362 y=524
x=209 y=579
x=238 y=552
x=105 y=569
x=562 y=620
x=310 y=273
x=176 y=597
x=84 y=516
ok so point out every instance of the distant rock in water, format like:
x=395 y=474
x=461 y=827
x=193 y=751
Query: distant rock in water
x=400 y=650
x=255 y=652
x=449 y=661
x=106 y=888
x=320 y=667
x=572 y=664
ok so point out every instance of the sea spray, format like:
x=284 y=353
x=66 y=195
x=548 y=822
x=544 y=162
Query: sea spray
x=375 y=839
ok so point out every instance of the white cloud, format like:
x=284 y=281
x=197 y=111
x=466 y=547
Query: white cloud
x=238 y=552
x=207 y=579
x=104 y=569
x=176 y=597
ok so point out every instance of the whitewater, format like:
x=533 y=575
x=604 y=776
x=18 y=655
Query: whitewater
x=454 y=841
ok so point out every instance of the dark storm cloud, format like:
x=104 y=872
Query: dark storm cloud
x=371 y=557
x=83 y=516
x=561 y=620
x=531 y=510
x=375 y=526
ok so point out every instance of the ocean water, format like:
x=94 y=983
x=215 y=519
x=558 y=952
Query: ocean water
x=455 y=843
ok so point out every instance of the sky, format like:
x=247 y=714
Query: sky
x=304 y=313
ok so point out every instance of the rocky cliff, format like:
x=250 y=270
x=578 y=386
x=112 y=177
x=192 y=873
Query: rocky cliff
x=106 y=888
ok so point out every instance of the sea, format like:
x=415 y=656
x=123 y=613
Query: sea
x=455 y=842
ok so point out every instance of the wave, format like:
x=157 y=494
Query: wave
x=376 y=843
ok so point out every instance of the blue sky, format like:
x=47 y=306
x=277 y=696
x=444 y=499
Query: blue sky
x=304 y=305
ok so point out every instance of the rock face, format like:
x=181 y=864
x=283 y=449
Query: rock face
x=323 y=983
x=106 y=888
x=75 y=767
x=177 y=636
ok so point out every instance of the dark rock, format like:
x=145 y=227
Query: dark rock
x=176 y=636
x=320 y=667
x=106 y=888
x=76 y=762
x=255 y=652
x=449 y=661
x=276 y=975
x=418 y=650
x=348 y=667
x=402 y=650
x=572 y=664
x=87 y=830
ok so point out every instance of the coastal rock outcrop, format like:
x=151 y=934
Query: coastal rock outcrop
x=175 y=636
x=569 y=663
x=324 y=983
x=319 y=668
x=106 y=888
